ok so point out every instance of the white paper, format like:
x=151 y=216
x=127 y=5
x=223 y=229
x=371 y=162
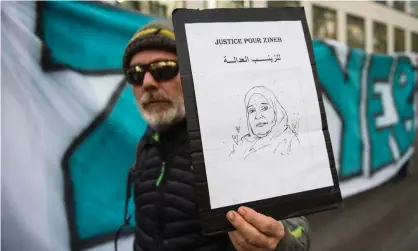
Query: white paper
x=258 y=111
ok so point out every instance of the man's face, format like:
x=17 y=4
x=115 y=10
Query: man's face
x=260 y=115
x=160 y=102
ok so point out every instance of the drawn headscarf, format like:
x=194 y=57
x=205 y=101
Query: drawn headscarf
x=280 y=116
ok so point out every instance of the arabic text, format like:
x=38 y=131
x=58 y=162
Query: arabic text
x=246 y=59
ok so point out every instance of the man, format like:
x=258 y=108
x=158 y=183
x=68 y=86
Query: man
x=162 y=178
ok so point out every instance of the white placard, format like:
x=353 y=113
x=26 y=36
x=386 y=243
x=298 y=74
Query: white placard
x=258 y=110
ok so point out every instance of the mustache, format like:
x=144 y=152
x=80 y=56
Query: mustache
x=154 y=96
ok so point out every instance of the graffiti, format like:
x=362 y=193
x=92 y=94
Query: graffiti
x=384 y=85
x=94 y=171
x=390 y=115
x=96 y=162
x=337 y=80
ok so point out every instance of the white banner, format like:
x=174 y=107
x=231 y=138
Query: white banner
x=370 y=106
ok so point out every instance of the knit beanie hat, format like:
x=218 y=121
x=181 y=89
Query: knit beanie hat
x=155 y=35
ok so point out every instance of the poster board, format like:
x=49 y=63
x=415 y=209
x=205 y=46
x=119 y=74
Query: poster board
x=260 y=139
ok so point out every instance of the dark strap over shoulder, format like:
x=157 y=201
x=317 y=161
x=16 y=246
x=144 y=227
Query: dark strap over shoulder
x=126 y=218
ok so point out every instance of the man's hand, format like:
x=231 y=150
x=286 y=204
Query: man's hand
x=254 y=231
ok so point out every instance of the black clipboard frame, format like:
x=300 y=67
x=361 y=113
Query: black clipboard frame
x=213 y=221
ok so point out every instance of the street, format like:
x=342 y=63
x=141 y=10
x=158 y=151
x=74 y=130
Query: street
x=383 y=219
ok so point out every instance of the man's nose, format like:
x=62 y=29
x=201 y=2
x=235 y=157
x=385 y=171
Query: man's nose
x=149 y=82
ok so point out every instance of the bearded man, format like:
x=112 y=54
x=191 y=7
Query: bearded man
x=166 y=213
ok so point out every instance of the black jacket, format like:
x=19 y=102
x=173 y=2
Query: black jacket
x=165 y=210
x=166 y=214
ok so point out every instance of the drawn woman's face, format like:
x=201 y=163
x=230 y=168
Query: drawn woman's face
x=260 y=115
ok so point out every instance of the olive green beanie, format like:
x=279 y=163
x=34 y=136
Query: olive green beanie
x=155 y=35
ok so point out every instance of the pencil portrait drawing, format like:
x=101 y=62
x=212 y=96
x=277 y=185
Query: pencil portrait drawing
x=268 y=127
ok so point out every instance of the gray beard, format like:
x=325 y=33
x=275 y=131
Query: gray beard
x=161 y=120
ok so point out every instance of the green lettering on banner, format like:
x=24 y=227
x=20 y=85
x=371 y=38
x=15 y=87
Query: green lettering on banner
x=404 y=81
x=338 y=80
x=390 y=116
x=379 y=118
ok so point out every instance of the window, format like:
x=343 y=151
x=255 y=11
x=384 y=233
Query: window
x=414 y=7
x=324 y=23
x=399 y=37
x=355 y=32
x=381 y=2
x=399 y=5
x=380 y=38
x=230 y=4
x=157 y=8
x=414 y=42
x=135 y=5
x=280 y=4
x=171 y=5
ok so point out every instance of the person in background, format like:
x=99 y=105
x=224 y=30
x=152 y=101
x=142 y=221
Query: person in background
x=162 y=178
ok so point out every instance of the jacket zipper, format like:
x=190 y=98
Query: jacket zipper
x=160 y=178
x=161 y=184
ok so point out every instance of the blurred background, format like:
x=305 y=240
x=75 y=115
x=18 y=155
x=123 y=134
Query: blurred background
x=70 y=125
x=374 y=26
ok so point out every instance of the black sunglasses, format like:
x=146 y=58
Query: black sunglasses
x=162 y=70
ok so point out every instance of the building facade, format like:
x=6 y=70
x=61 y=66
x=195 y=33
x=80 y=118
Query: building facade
x=374 y=26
